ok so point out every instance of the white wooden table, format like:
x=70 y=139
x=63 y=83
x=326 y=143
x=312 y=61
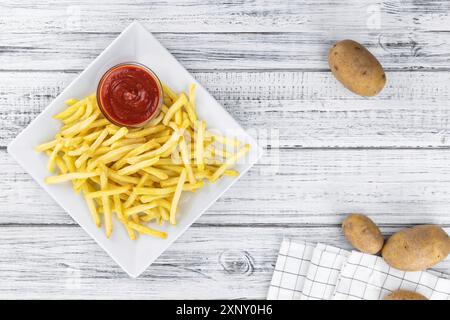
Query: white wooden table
x=265 y=61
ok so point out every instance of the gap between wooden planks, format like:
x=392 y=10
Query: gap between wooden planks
x=292 y=186
x=294 y=109
x=238 y=262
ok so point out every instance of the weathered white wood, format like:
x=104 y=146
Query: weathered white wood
x=364 y=17
x=414 y=111
x=291 y=187
x=62 y=51
x=206 y=262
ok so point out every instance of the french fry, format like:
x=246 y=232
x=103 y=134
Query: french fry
x=158 y=173
x=224 y=140
x=157 y=120
x=75 y=116
x=80 y=126
x=118 y=207
x=69 y=111
x=70 y=101
x=186 y=160
x=107 y=193
x=83 y=148
x=125 y=142
x=101 y=137
x=69 y=176
x=113 y=175
x=122 y=132
x=146 y=132
x=229 y=162
x=46 y=146
x=180 y=102
x=176 y=197
x=132 y=197
x=92 y=207
x=151 y=154
x=146 y=230
x=139 y=208
x=137 y=166
x=192 y=96
x=92 y=136
x=147 y=199
x=172 y=95
x=168 y=190
x=105 y=202
x=113 y=155
x=61 y=165
x=51 y=160
x=89 y=108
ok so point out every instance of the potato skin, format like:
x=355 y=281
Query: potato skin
x=416 y=248
x=404 y=295
x=362 y=233
x=356 y=68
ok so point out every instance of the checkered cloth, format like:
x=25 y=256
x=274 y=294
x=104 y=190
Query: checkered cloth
x=290 y=270
x=368 y=277
x=321 y=272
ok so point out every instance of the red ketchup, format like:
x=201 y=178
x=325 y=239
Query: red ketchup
x=129 y=95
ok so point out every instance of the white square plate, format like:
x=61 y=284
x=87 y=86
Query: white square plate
x=134 y=44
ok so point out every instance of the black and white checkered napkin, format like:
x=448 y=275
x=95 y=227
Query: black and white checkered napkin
x=320 y=272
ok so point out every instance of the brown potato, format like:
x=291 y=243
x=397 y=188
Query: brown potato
x=404 y=295
x=362 y=233
x=356 y=68
x=416 y=248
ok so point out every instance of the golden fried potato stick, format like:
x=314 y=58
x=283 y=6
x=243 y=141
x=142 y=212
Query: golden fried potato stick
x=168 y=190
x=105 y=202
x=69 y=176
x=172 y=95
x=107 y=193
x=180 y=102
x=229 y=162
x=118 y=207
x=186 y=161
x=146 y=230
x=176 y=197
x=91 y=205
x=122 y=132
x=137 y=166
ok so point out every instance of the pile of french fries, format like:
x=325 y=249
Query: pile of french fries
x=138 y=174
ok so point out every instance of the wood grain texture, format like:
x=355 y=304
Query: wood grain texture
x=194 y=16
x=227 y=50
x=63 y=262
x=265 y=61
x=296 y=109
x=223 y=35
x=291 y=186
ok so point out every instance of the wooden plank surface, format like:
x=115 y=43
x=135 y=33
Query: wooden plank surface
x=220 y=51
x=330 y=152
x=283 y=105
x=240 y=35
x=63 y=262
x=291 y=186
x=196 y=16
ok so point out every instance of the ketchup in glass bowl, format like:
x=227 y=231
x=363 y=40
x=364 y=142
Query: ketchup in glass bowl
x=129 y=95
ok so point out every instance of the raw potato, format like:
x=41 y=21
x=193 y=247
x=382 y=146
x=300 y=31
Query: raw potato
x=416 y=248
x=362 y=233
x=356 y=68
x=404 y=295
